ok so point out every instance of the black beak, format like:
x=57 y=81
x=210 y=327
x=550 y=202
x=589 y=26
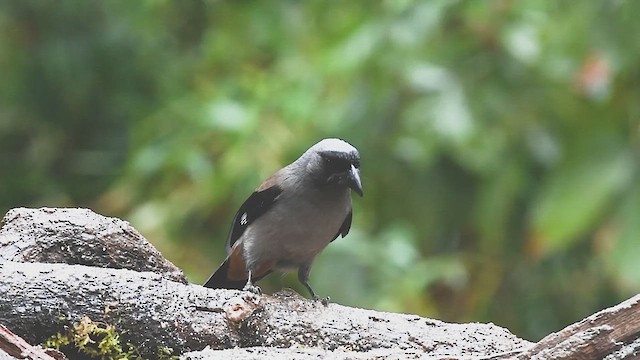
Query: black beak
x=353 y=179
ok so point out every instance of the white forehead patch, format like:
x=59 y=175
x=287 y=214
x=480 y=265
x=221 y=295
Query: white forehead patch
x=333 y=144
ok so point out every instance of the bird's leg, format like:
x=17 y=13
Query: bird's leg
x=303 y=277
x=250 y=287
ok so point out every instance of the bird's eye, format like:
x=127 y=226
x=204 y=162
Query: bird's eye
x=336 y=165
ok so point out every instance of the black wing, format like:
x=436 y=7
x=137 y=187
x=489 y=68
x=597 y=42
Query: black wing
x=256 y=205
x=346 y=225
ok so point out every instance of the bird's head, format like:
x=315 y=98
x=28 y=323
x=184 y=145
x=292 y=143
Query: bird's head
x=335 y=162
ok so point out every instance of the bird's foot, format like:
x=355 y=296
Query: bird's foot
x=323 y=300
x=252 y=289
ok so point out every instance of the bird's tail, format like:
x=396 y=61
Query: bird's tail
x=220 y=279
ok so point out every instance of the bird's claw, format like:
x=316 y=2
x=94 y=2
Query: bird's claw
x=323 y=300
x=252 y=289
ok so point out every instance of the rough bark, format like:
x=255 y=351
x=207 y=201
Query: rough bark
x=40 y=299
x=13 y=346
x=105 y=270
x=612 y=333
x=79 y=236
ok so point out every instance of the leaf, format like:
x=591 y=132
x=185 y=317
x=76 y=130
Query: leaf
x=622 y=260
x=575 y=195
x=495 y=205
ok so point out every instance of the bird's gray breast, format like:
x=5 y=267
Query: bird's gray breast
x=296 y=229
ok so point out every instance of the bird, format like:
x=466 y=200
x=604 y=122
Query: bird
x=291 y=217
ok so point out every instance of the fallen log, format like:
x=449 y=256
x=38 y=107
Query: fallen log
x=38 y=300
x=79 y=236
x=613 y=333
x=64 y=267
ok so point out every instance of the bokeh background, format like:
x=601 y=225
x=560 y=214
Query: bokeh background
x=499 y=139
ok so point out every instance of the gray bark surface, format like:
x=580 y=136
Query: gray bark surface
x=79 y=236
x=40 y=299
x=58 y=266
x=613 y=333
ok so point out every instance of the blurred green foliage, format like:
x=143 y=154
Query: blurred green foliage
x=499 y=139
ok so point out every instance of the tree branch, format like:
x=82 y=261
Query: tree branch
x=15 y=347
x=79 y=236
x=38 y=300
x=613 y=331
x=58 y=266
